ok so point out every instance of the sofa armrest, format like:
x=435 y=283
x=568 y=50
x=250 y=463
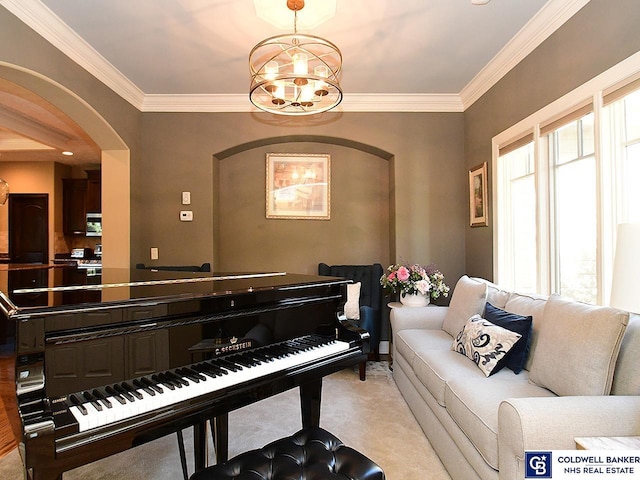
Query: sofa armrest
x=553 y=423
x=429 y=317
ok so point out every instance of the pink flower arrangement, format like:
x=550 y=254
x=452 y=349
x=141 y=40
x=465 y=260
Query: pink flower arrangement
x=412 y=279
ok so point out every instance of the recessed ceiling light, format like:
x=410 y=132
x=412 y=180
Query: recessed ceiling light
x=67 y=153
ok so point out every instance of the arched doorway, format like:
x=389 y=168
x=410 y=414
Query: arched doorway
x=114 y=157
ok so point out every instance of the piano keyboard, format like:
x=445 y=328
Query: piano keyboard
x=117 y=402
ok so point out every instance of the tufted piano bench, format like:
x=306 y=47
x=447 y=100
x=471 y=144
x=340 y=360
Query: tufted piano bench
x=310 y=454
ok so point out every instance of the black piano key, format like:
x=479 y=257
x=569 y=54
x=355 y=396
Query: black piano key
x=159 y=379
x=168 y=377
x=101 y=398
x=133 y=391
x=125 y=393
x=190 y=374
x=92 y=400
x=154 y=386
x=228 y=365
x=239 y=361
x=179 y=381
x=143 y=387
x=113 y=394
x=209 y=370
x=217 y=367
x=78 y=403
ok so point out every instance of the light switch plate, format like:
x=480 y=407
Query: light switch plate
x=186 y=216
x=186 y=198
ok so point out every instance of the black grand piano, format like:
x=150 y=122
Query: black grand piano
x=125 y=357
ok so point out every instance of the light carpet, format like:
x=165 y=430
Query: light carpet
x=369 y=416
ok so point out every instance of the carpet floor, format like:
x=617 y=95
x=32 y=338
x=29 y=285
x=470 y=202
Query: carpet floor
x=369 y=416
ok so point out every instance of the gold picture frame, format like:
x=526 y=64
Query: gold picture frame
x=478 y=208
x=298 y=186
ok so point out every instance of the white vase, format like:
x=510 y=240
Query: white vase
x=414 y=299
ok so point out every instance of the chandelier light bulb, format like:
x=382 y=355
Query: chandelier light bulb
x=278 y=93
x=300 y=64
x=271 y=70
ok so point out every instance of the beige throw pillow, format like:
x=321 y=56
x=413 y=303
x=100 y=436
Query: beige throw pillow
x=577 y=348
x=352 y=307
x=468 y=300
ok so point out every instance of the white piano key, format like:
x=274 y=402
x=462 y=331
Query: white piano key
x=148 y=403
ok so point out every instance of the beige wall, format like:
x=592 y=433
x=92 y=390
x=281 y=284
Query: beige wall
x=600 y=35
x=424 y=157
x=357 y=233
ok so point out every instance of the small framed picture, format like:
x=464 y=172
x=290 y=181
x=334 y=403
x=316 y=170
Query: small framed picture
x=479 y=216
x=299 y=186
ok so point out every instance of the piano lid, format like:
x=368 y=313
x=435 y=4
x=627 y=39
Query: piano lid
x=65 y=286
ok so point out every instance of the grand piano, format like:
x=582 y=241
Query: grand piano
x=124 y=357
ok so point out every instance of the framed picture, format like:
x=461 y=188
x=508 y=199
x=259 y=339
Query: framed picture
x=299 y=186
x=479 y=216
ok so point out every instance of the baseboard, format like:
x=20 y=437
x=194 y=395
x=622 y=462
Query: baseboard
x=383 y=347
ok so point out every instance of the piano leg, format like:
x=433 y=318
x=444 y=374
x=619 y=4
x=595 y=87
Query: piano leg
x=221 y=437
x=200 y=446
x=310 y=396
x=43 y=474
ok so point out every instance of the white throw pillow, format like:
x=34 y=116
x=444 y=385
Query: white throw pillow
x=352 y=307
x=469 y=298
x=485 y=343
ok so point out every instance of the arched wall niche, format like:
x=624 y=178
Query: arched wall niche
x=361 y=228
x=115 y=158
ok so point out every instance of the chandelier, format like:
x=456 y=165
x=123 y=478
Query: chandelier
x=295 y=74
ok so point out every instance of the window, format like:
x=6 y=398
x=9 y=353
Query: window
x=560 y=190
x=574 y=209
x=518 y=184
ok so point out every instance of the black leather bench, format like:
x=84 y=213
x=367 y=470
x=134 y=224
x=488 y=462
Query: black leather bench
x=310 y=454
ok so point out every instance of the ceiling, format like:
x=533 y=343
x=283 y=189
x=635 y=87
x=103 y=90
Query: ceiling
x=192 y=55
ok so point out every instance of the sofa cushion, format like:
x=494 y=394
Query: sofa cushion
x=473 y=404
x=485 y=343
x=468 y=299
x=407 y=342
x=528 y=305
x=517 y=356
x=578 y=347
x=434 y=368
x=626 y=380
x=495 y=295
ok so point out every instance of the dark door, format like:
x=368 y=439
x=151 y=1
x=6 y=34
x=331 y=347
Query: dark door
x=29 y=227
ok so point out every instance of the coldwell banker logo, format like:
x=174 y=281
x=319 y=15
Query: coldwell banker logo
x=538 y=464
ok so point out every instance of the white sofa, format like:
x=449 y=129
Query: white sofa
x=580 y=379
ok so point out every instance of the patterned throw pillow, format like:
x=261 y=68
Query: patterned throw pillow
x=485 y=343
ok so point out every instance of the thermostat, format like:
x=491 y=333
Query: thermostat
x=186 y=216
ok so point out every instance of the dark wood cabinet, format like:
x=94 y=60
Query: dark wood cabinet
x=74 y=213
x=79 y=197
x=94 y=193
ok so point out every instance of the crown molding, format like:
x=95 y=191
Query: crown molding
x=550 y=17
x=43 y=21
x=353 y=102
